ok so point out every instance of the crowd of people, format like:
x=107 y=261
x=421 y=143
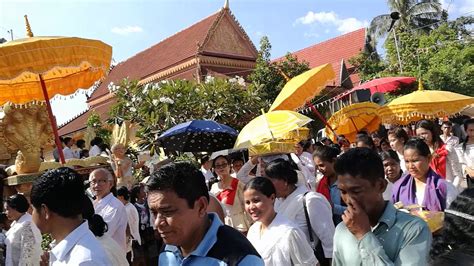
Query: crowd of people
x=327 y=203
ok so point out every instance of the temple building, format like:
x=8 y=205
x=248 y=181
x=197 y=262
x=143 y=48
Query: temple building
x=215 y=46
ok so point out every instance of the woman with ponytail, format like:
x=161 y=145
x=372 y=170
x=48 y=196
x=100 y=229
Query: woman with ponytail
x=444 y=160
x=466 y=152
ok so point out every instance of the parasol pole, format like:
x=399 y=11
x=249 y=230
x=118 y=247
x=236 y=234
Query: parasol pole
x=52 y=120
x=316 y=112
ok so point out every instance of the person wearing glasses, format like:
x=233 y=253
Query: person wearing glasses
x=108 y=206
x=447 y=137
x=229 y=191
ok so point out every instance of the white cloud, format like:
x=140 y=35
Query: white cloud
x=466 y=8
x=343 y=25
x=310 y=35
x=126 y=30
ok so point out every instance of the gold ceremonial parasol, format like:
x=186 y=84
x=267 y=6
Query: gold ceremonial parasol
x=269 y=126
x=354 y=118
x=37 y=68
x=302 y=88
x=424 y=104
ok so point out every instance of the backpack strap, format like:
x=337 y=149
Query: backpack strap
x=306 y=215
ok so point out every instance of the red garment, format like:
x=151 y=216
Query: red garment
x=227 y=195
x=323 y=188
x=438 y=163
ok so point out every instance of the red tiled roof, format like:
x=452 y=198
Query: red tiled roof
x=333 y=51
x=168 y=52
x=80 y=121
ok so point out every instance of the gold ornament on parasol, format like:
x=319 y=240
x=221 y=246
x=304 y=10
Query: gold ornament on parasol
x=37 y=68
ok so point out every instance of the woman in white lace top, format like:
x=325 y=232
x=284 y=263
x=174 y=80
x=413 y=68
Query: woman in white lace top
x=23 y=242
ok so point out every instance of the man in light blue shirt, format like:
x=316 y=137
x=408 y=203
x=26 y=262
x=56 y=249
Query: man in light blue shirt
x=373 y=232
x=178 y=198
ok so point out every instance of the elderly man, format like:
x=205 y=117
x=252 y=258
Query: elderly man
x=109 y=207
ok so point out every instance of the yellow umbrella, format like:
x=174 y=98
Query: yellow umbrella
x=269 y=126
x=37 y=68
x=303 y=88
x=354 y=118
x=424 y=104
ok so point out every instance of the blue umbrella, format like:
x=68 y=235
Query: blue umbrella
x=198 y=136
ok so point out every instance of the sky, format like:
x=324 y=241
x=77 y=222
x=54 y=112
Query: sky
x=131 y=26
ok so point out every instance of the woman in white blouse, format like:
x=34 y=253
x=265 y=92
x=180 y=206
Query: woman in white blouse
x=229 y=192
x=23 y=242
x=465 y=152
x=278 y=240
x=290 y=201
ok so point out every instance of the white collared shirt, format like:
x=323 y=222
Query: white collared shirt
x=114 y=214
x=23 y=242
x=94 y=151
x=319 y=212
x=68 y=153
x=80 y=247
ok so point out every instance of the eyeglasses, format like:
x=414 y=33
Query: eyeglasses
x=100 y=181
x=218 y=166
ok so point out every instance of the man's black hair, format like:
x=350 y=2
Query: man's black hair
x=123 y=191
x=81 y=144
x=361 y=163
x=61 y=190
x=66 y=140
x=183 y=178
x=18 y=202
x=326 y=153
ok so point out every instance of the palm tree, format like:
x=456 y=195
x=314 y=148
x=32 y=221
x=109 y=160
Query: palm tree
x=418 y=15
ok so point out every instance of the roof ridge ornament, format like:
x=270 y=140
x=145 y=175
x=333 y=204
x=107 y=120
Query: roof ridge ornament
x=226 y=4
x=29 y=33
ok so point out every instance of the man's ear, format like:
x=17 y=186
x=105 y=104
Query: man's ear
x=201 y=205
x=381 y=185
x=45 y=212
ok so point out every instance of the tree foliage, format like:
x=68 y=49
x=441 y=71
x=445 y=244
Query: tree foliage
x=420 y=16
x=156 y=107
x=270 y=76
x=443 y=58
x=100 y=130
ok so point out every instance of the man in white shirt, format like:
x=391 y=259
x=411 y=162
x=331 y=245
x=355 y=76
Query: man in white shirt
x=132 y=214
x=206 y=165
x=448 y=138
x=58 y=198
x=95 y=149
x=108 y=206
x=68 y=152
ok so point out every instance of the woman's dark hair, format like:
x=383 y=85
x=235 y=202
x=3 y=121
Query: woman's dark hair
x=419 y=145
x=96 y=141
x=262 y=185
x=366 y=140
x=220 y=156
x=326 y=153
x=305 y=144
x=183 y=178
x=123 y=191
x=458 y=232
x=382 y=141
x=390 y=154
x=134 y=193
x=399 y=133
x=435 y=132
x=97 y=225
x=282 y=170
x=18 y=202
x=466 y=125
